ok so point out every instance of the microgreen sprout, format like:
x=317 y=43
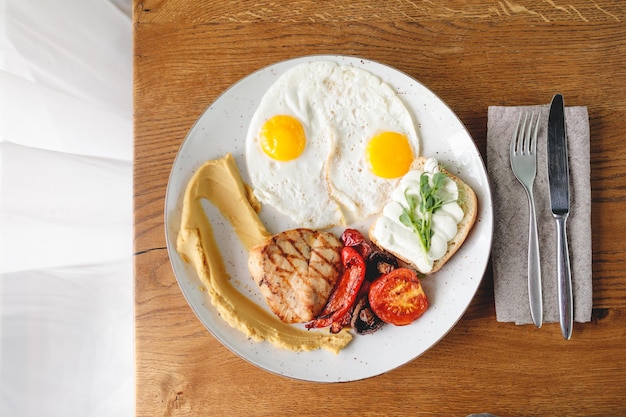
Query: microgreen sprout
x=419 y=213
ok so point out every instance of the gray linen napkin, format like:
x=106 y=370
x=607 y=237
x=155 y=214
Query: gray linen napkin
x=510 y=208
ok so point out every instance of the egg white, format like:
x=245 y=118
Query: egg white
x=367 y=107
x=296 y=188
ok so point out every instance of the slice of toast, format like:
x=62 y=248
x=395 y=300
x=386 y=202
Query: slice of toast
x=469 y=204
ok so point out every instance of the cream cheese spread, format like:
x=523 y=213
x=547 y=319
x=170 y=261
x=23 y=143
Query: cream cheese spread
x=401 y=239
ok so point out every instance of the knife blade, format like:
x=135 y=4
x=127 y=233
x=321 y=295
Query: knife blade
x=558 y=179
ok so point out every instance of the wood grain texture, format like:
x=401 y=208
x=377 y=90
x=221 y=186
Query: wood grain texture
x=371 y=12
x=473 y=54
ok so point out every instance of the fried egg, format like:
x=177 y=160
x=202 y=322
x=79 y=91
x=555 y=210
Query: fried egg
x=328 y=143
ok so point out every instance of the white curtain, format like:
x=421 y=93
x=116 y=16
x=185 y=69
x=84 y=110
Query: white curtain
x=66 y=301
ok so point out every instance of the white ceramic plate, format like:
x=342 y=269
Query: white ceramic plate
x=223 y=127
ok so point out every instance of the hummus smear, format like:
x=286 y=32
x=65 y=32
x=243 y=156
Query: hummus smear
x=219 y=182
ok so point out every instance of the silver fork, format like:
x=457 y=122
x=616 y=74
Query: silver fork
x=524 y=165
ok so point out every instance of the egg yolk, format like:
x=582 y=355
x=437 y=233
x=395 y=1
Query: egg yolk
x=389 y=155
x=282 y=138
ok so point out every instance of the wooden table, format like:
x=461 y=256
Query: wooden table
x=473 y=54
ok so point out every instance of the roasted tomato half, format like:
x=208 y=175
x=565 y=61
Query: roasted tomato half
x=398 y=297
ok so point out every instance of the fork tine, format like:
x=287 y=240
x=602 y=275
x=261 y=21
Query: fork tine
x=525 y=136
x=515 y=139
x=533 y=149
x=529 y=135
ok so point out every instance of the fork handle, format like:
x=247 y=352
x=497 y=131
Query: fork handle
x=564 y=276
x=534 y=267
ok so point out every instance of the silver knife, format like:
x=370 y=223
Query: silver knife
x=558 y=177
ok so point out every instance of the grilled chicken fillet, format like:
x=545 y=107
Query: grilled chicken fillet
x=296 y=271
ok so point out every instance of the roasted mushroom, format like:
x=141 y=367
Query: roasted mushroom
x=364 y=321
x=380 y=263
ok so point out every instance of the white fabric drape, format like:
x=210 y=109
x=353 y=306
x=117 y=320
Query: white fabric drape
x=66 y=302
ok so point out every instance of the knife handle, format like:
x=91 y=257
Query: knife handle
x=564 y=276
x=534 y=267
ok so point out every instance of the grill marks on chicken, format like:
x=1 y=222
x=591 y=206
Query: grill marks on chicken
x=296 y=271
